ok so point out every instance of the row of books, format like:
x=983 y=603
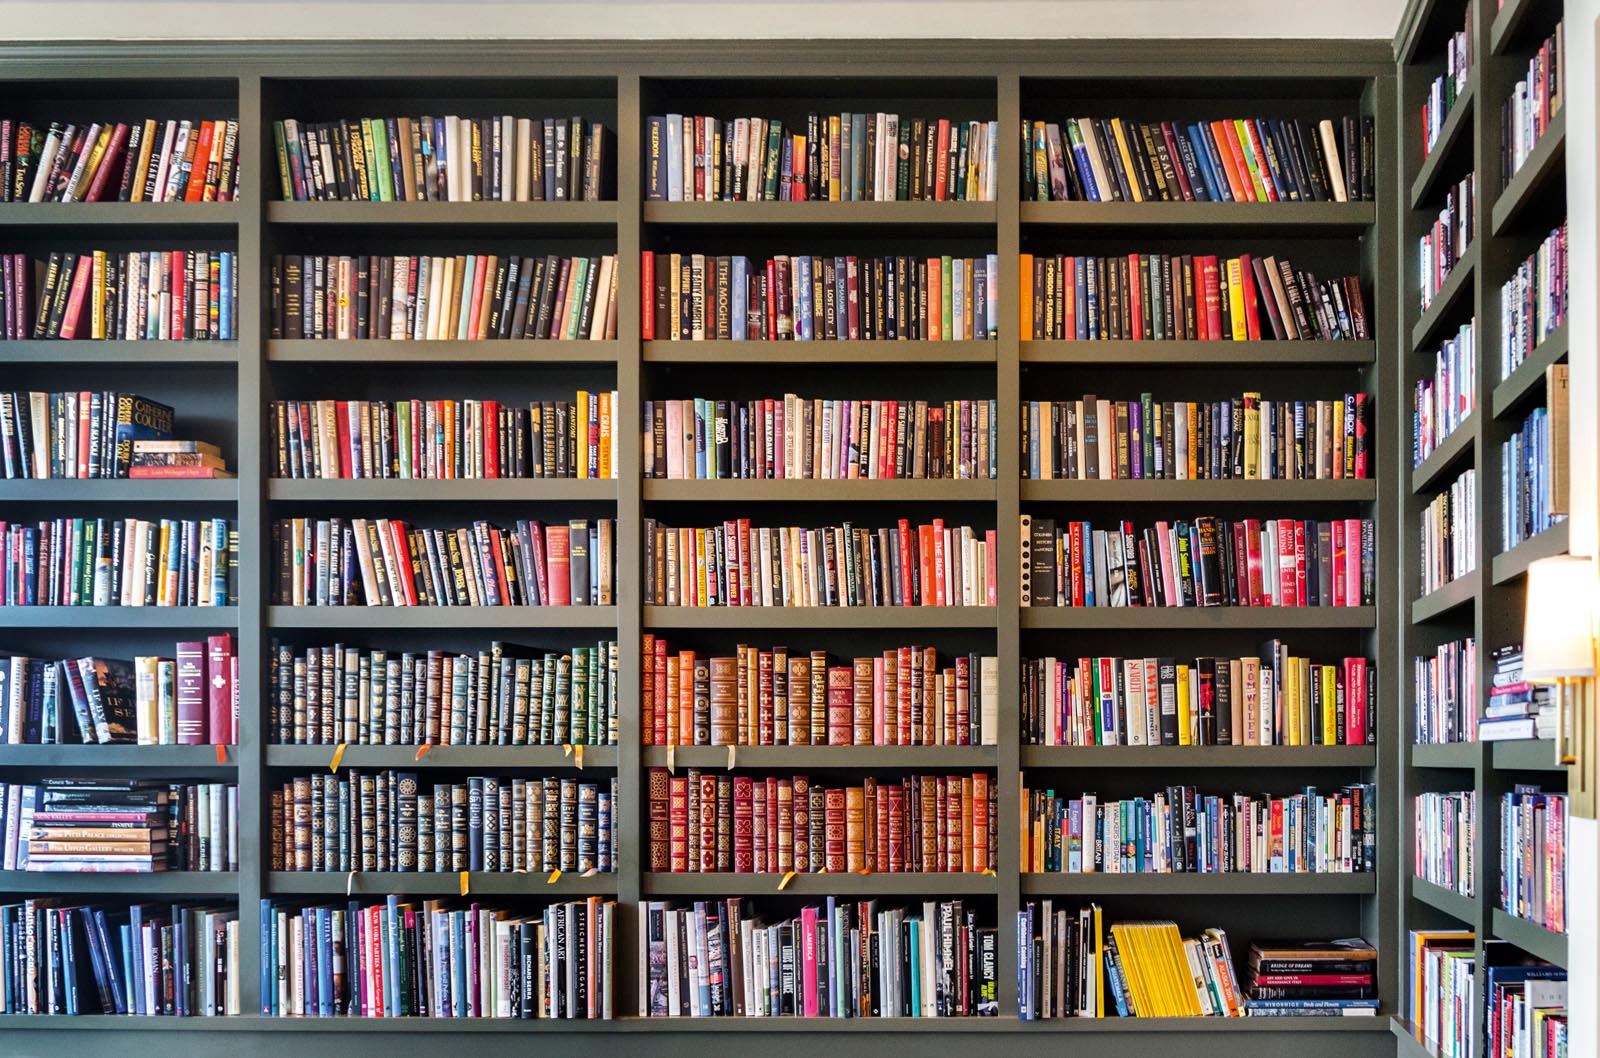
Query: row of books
x=148 y=295
x=901 y=697
x=189 y=699
x=1533 y=856
x=815 y=438
x=145 y=960
x=702 y=822
x=1445 y=694
x=1534 y=467
x=1179 y=830
x=1533 y=302
x=444 y=439
x=1516 y=708
x=846 y=157
x=77 y=433
x=1156 y=296
x=120 y=562
x=1229 y=160
x=1448 y=86
x=737 y=564
x=443 y=297
x=1449 y=534
x=1239 y=438
x=1205 y=562
x=1445 y=827
x=800 y=297
x=388 y=821
x=499 y=158
x=1272 y=699
x=111 y=825
x=1446 y=240
x=1525 y=1004
x=1443 y=401
x=172 y=160
x=397 y=959
x=388 y=562
x=1533 y=104
x=842 y=959
x=505 y=695
x=1442 y=992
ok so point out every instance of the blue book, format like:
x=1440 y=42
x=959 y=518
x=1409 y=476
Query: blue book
x=804 y=270
x=1201 y=153
x=225 y=296
x=325 y=997
x=134 y=993
x=831 y=931
x=739 y=308
x=1089 y=302
x=675 y=147
x=1115 y=979
x=391 y=954
x=458 y=964
x=856 y=174
x=916 y=963
x=1219 y=170
x=1024 y=965
x=1035 y=468
x=700 y=437
x=1088 y=565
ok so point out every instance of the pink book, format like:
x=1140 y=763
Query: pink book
x=990 y=543
x=878 y=692
x=808 y=961
x=1352 y=561
x=80 y=287
x=219 y=688
x=1169 y=582
x=191 y=658
x=119 y=140
x=559 y=566
x=1286 y=564
x=746 y=565
x=1355 y=698
x=675 y=440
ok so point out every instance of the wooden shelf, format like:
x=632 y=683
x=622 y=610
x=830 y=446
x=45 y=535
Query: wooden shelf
x=1199 y=757
x=1463 y=591
x=154 y=883
x=1228 y=884
x=1194 y=617
x=125 y=490
x=1508 y=566
x=1254 y=217
x=173 y=215
x=404 y=758
x=1460 y=442
x=1464 y=909
x=451 y=214
x=1526 y=754
x=468 y=353
x=1201 y=354
x=140 y=353
x=1528 y=378
x=906 y=758
x=1463 y=756
x=1530 y=937
x=1156 y=491
x=120 y=755
x=1529 y=186
x=875 y=214
x=432 y=883
x=1447 y=304
x=477 y=490
x=819 y=617
x=460 y=617
x=800 y=354
x=119 y=617
x=936 y=883
x=1457 y=124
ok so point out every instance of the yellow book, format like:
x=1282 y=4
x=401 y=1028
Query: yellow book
x=1097 y=968
x=581 y=417
x=1252 y=436
x=1252 y=164
x=1291 y=703
x=1305 y=701
x=606 y=427
x=701 y=583
x=1236 y=299
x=1167 y=976
x=97 y=296
x=162 y=539
x=674 y=299
x=1127 y=159
x=1330 y=711
x=835 y=190
x=1185 y=713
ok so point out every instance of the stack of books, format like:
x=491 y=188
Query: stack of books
x=1309 y=978
x=1446 y=240
x=1448 y=86
x=119 y=562
x=188 y=459
x=1517 y=709
x=119 y=826
x=1534 y=103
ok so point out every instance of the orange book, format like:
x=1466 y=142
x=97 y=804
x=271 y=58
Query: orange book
x=1239 y=187
x=1026 y=300
x=197 y=158
x=686 y=663
x=925 y=573
x=1241 y=163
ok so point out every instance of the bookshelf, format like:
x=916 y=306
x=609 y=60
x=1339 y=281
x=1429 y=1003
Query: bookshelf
x=1487 y=604
x=223 y=390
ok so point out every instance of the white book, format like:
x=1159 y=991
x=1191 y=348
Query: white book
x=509 y=173
x=47 y=158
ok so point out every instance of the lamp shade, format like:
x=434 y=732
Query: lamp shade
x=1558 y=621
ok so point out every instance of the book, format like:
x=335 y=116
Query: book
x=1446 y=88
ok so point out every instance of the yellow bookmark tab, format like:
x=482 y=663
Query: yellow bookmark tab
x=466 y=882
x=672 y=759
x=590 y=873
x=784 y=883
x=555 y=876
x=864 y=871
x=349 y=883
x=577 y=755
x=422 y=750
x=730 y=757
x=222 y=754
x=566 y=749
x=338 y=755
x=989 y=871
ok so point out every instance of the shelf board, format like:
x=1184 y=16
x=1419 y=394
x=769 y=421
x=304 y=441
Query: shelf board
x=930 y=883
x=877 y=214
x=154 y=883
x=1192 y=354
x=481 y=490
x=1196 y=617
x=472 y=353
x=1463 y=909
x=819 y=617
x=1229 y=884
x=119 y=617
x=1525 y=754
x=1508 y=566
x=1457 y=286
x=1154 y=491
x=1446 y=755
x=1512 y=19
x=461 y=617
x=454 y=214
x=899 y=490
x=142 y=353
x=1458 y=443
x=1199 y=756
x=1463 y=591
x=1457 y=123
x=1529 y=936
x=1528 y=377
x=405 y=757
x=435 y=883
x=1298 y=217
x=1407 y=1043
x=837 y=351
x=124 y=490
x=1530 y=183
x=898 y=757
x=176 y=215
x=120 y=755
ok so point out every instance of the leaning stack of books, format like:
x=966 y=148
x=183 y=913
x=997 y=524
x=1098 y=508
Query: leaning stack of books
x=1517 y=709
x=1312 y=978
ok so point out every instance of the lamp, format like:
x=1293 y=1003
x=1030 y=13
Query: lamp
x=1558 y=632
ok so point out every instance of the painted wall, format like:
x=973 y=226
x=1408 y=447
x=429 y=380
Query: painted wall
x=633 y=19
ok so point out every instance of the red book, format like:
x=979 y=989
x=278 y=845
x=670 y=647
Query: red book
x=707 y=817
x=497 y=552
x=475 y=295
x=1360 y=460
x=102 y=176
x=834 y=859
x=191 y=693
x=178 y=473
x=219 y=689
x=402 y=557
x=341 y=419
x=558 y=558
x=1340 y=557
x=1241 y=565
x=1247 y=284
x=990 y=543
x=1069 y=287
x=678 y=824
x=1253 y=131
x=904 y=537
x=1240 y=189
x=647 y=296
x=200 y=156
x=661 y=692
x=841 y=706
x=1355 y=698
x=744 y=858
x=80 y=287
x=1234 y=151
x=1286 y=564
x=1135 y=302
x=746 y=594
x=491 y=438
x=852 y=296
x=772 y=300
x=925 y=572
x=1299 y=563
x=1352 y=561
x=1213 y=297
x=1172 y=150
x=941 y=165
x=85 y=402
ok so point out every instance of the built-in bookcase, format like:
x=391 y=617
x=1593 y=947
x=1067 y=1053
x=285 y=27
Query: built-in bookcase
x=224 y=389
